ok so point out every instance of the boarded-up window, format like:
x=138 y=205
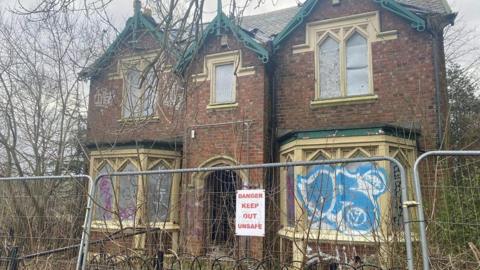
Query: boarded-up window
x=150 y=93
x=140 y=93
x=224 y=83
x=357 y=66
x=158 y=195
x=127 y=199
x=291 y=196
x=104 y=197
x=329 y=65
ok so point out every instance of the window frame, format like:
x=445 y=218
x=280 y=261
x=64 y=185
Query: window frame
x=342 y=37
x=139 y=158
x=368 y=23
x=141 y=67
x=207 y=73
x=213 y=83
x=338 y=148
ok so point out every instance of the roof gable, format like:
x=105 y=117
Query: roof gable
x=138 y=22
x=219 y=24
x=256 y=30
x=392 y=5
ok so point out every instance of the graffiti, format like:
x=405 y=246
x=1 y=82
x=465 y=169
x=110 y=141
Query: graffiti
x=343 y=198
x=103 y=98
x=105 y=199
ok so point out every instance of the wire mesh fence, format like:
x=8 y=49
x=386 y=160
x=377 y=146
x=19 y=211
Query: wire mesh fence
x=323 y=214
x=450 y=185
x=318 y=215
x=39 y=216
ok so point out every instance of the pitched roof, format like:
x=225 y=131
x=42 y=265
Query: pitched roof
x=428 y=6
x=139 y=21
x=270 y=23
x=255 y=31
x=219 y=24
x=266 y=26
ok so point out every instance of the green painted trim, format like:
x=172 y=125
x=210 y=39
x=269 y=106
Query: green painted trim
x=398 y=132
x=416 y=22
x=172 y=144
x=294 y=23
x=138 y=21
x=220 y=22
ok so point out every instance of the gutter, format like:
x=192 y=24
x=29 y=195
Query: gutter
x=436 y=24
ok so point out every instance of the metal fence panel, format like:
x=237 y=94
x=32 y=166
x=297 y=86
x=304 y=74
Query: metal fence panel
x=447 y=188
x=332 y=213
x=41 y=215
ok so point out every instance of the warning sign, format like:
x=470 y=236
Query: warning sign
x=250 y=213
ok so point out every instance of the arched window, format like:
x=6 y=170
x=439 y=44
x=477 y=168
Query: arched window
x=104 y=198
x=127 y=199
x=329 y=64
x=158 y=195
x=357 y=65
x=150 y=93
x=140 y=93
x=290 y=185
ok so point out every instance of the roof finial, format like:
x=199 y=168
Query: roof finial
x=219 y=7
x=137 y=6
x=219 y=16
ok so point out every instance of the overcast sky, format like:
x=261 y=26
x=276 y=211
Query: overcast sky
x=468 y=10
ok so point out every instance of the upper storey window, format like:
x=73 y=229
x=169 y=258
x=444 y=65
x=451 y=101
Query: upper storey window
x=329 y=57
x=139 y=93
x=343 y=68
x=224 y=91
x=357 y=65
x=221 y=71
x=342 y=48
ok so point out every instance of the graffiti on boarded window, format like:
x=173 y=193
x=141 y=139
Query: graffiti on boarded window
x=343 y=198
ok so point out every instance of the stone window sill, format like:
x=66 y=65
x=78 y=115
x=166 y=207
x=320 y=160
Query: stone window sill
x=111 y=225
x=222 y=106
x=319 y=103
x=138 y=119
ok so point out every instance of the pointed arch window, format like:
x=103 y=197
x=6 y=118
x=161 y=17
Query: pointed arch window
x=139 y=94
x=127 y=199
x=343 y=66
x=290 y=186
x=329 y=64
x=158 y=194
x=357 y=65
x=104 y=197
x=134 y=199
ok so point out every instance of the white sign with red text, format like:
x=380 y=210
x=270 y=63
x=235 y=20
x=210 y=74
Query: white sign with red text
x=250 y=213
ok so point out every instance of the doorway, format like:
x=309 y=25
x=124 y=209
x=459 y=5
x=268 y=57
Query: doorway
x=221 y=189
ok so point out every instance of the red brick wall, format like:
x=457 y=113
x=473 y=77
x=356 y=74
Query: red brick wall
x=103 y=122
x=237 y=141
x=403 y=78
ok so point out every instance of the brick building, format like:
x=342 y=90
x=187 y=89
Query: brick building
x=327 y=79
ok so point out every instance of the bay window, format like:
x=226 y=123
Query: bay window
x=134 y=200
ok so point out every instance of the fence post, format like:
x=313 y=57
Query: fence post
x=159 y=261
x=13 y=262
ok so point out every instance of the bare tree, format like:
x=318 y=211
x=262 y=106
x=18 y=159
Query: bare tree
x=42 y=116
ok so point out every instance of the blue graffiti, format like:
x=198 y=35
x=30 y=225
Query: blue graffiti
x=343 y=198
